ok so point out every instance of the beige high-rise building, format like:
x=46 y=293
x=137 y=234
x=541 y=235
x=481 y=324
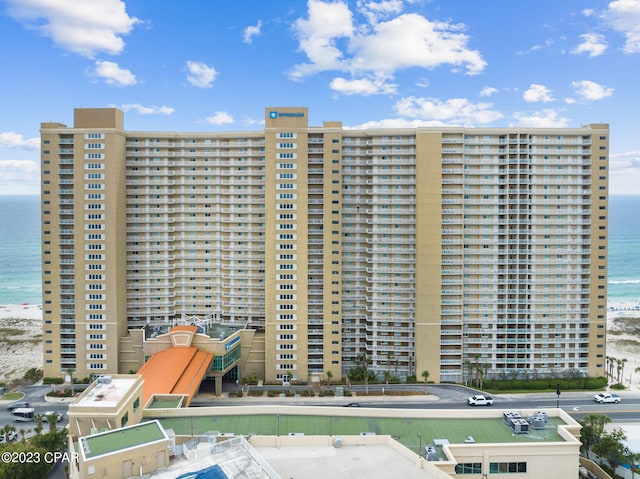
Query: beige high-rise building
x=420 y=249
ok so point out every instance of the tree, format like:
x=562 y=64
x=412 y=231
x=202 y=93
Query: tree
x=470 y=371
x=6 y=432
x=386 y=375
x=329 y=377
x=632 y=459
x=611 y=447
x=23 y=433
x=364 y=360
x=425 y=376
x=592 y=429
x=70 y=373
x=39 y=419
x=52 y=419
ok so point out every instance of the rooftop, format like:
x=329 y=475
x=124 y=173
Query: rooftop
x=412 y=432
x=106 y=392
x=176 y=370
x=211 y=329
x=121 y=439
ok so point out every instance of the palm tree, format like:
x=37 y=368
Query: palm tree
x=470 y=371
x=23 y=433
x=386 y=375
x=70 y=373
x=618 y=369
x=612 y=362
x=6 y=431
x=362 y=358
x=52 y=419
x=425 y=375
x=592 y=429
x=39 y=418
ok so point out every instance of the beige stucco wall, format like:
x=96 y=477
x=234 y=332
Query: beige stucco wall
x=85 y=415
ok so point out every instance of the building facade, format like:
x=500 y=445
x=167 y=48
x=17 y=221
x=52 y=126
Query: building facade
x=458 y=251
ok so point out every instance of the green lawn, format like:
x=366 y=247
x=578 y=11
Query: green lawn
x=12 y=396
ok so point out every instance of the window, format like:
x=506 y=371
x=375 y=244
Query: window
x=124 y=420
x=506 y=467
x=469 y=468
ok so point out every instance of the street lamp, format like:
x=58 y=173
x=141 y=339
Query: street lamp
x=420 y=446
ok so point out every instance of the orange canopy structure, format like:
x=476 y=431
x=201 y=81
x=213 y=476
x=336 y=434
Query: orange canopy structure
x=176 y=370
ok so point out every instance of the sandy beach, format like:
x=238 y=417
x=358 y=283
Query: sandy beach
x=21 y=339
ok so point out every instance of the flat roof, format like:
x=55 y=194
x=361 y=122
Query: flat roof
x=406 y=430
x=371 y=461
x=108 y=394
x=120 y=439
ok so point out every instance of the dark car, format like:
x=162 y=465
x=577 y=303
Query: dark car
x=16 y=405
x=352 y=404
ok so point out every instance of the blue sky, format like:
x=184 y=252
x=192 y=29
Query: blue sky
x=214 y=65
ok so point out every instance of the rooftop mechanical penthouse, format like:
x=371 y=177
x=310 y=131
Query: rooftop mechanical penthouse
x=418 y=249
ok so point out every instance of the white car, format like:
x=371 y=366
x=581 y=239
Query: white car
x=606 y=397
x=46 y=414
x=13 y=435
x=479 y=400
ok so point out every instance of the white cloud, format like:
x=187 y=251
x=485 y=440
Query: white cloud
x=488 y=91
x=362 y=86
x=624 y=16
x=540 y=46
x=251 y=31
x=589 y=90
x=112 y=74
x=411 y=40
x=333 y=42
x=374 y=11
x=219 y=118
x=19 y=177
x=593 y=44
x=11 y=139
x=83 y=27
x=201 y=74
x=537 y=93
x=394 y=123
x=455 y=111
x=317 y=37
x=625 y=170
x=546 y=118
x=148 y=110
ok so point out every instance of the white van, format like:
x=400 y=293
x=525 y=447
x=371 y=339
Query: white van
x=24 y=414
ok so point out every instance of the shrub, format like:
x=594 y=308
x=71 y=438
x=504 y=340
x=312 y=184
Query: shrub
x=618 y=386
x=64 y=393
x=52 y=380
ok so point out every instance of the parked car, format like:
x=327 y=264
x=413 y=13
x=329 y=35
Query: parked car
x=13 y=435
x=606 y=398
x=17 y=405
x=479 y=400
x=46 y=414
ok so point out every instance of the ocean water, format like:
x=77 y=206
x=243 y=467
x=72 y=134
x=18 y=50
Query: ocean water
x=624 y=249
x=20 y=267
